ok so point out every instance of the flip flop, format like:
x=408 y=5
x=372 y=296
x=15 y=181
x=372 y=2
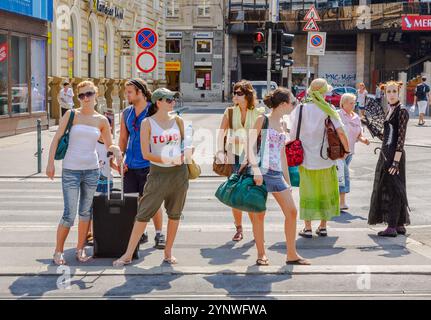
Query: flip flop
x=262 y=262
x=171 y=260
x=121 y=263
x=302 y=262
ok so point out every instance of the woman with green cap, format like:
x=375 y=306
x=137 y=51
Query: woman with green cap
x=318 y=189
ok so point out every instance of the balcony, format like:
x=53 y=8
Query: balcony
x=336 y=15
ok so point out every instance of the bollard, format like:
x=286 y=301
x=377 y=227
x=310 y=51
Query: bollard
x=39 y=146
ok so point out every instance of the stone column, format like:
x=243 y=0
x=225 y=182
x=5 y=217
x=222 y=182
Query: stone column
x=363 y=58
x=101 y=100
x=74 y=82
x=122 y=93
x=109 y=84
x=55 y=87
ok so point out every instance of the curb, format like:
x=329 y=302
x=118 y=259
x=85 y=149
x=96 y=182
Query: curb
x=196 y=270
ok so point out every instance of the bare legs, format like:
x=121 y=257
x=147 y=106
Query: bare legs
x=63 y=232
x=257 y=220
x=287 y=205
x=139 y=229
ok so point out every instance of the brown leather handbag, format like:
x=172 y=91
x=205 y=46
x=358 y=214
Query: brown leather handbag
x=224 y=169
x=335 y=149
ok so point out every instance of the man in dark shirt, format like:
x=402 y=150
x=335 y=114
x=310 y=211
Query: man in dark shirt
x=422 y=98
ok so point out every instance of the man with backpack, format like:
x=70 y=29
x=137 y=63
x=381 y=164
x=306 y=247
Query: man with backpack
x=136 y=168
x=422 y=98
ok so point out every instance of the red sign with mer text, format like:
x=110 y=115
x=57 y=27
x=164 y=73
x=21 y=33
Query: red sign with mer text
x=416 y=23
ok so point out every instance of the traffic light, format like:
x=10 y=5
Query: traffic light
x=284 y=48
x=259 y=44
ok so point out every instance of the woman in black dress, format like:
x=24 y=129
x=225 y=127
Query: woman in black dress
x=389 y=198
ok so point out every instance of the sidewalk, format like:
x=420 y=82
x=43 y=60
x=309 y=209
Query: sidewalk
x=209 y=250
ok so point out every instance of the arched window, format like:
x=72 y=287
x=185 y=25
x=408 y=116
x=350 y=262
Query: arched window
x=93 y=37
x=109 y=49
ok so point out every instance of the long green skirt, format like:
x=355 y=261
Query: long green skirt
x=318 y=193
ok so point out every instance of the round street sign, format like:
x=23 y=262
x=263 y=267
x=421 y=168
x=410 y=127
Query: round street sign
x=316 y=40
x=146 y=38
x=146 y=61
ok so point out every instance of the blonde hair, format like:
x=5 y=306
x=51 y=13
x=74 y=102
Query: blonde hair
x=398 y=84
x=346 y=97
x=317 y=84
x=85 y=83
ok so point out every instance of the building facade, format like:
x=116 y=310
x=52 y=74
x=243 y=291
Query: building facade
x=95 y=39
x=366 y=41
x=194 y=48
x=23 y=65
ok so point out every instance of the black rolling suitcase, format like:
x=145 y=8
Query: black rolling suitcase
x=113 y=218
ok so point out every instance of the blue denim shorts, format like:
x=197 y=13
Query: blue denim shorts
x=79 y=187
x=274 y=180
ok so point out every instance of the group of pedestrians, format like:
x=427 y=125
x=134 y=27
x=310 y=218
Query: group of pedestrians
x=152 y=142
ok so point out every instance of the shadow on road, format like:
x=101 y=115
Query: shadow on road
x=227 y=253
x=395 y=247
x=312 y=248
x=346 y=217
x=246 y=286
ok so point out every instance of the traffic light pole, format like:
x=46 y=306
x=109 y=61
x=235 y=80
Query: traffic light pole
x=269 y=61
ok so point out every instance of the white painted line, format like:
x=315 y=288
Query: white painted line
x=216 y=227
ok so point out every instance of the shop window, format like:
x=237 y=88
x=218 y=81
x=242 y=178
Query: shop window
x=203 y=79
x=204 y=46
x=4 y=49
x=19 y=80
x=173 y=46
x=38 y=75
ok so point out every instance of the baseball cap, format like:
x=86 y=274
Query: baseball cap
x=163 y=93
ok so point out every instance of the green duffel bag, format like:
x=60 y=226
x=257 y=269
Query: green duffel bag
x=240 y=192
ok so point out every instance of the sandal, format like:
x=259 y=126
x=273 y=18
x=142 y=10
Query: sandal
x=121 y=263
x=171 y=260
x=81 y=255
x=306 y=233
x=301 y=262
x=58 y=259
x=262 y=262
x=322 y=232
x=238 y=235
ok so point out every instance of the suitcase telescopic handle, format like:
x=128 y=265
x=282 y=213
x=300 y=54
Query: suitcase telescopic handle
x=110 y=154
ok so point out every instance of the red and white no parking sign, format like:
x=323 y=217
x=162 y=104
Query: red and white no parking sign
x=146 y=39
x=146 y=61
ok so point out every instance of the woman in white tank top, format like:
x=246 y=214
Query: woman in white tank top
x=161 y=144
x=80 y=167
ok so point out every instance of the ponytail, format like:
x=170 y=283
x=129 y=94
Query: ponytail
x=152 y=109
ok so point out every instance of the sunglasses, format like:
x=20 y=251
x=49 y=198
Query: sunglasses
x=87 y=94
x=238 y=93
x=168 y=100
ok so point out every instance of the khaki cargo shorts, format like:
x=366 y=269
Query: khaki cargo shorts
x=164 y=184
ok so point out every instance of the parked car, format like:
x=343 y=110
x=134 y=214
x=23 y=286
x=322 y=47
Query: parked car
x=334 y=96
x=261 y=90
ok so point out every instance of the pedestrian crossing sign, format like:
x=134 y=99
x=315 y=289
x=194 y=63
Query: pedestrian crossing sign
x=311 y=25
